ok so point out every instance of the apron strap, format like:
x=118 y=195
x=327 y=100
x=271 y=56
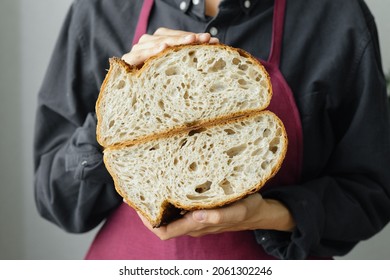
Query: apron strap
x=277 y=32
x=142 y=25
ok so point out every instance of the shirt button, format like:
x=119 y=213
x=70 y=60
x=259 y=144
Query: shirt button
x=247 y=4
x=84 y=163
x=183 y=5
x=195 y=2
x=213 y=31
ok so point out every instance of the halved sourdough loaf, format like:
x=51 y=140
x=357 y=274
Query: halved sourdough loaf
x=202 y=168
x=188 y=130
x=180 y=87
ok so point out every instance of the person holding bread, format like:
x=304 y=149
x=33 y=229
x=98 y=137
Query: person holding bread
x=328 y=88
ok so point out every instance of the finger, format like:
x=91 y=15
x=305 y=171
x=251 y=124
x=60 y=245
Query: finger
x=214 y=40
x=158 y=41
x=146 y=38
x=228 y=215
x=163 y=31
x=183 y=226
x=172 y=230
x=200 y=37
x=138 y=57
x=166 y=32
x=145 y=221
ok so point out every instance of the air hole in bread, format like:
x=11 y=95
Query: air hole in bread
x=264 y=165
x=242 y=82
x=217 y=87
x=171 y=71
x=133 y=100
x=210 y=61
x=121 y=84
x=111 y=124
x=236 y=61
x=196 y=131
x=266 y=132
x=155 y=147
x=182 y=142
x=218 y=65
x=230 y=131
x=226 y=186
x=238 y=168
x=193 y=166
x=243 y=67
x=197 y=197
x=262 y=83
x=256 y=152
x=203 y=187
x=142 y=198
x=274 y=145
x=235 y=151
x=161 y=104
x=243 y=105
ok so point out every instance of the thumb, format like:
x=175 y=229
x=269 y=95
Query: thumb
x=208 y=216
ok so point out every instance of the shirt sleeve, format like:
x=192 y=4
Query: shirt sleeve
x=349 y=201
x=72 y=186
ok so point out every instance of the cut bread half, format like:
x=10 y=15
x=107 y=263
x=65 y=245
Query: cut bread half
x=181 y=87
x=200 y=168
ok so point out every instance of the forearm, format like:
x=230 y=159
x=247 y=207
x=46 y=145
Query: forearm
x=278 y=216
x=72 y=187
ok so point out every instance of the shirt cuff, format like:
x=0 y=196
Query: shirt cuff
x=84 y=157
x=309 y=219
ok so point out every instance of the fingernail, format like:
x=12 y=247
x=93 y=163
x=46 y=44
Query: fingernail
x=204 y=36
x=214 y=40
x=162 y=47
x=199 y=216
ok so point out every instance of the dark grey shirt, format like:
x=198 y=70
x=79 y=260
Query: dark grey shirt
x=330 y=59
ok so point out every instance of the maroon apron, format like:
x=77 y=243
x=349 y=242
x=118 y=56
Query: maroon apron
x=124 y=236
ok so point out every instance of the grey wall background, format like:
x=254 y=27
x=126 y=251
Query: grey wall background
x=28 y=31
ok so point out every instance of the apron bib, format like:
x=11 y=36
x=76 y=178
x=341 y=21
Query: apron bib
x=124 y=236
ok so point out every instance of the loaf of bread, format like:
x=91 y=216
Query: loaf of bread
x=188 y=130
x=180 y=87
x=202 y=168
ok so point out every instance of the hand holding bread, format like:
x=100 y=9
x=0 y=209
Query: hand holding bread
x=188 y=130
x=150 y=45
x=249 y=213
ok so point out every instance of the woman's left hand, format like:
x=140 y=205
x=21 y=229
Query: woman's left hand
x=250 y=213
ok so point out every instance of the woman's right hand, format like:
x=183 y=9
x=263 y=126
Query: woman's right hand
x=150 y=45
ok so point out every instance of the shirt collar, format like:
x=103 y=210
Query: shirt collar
x=197 y=7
